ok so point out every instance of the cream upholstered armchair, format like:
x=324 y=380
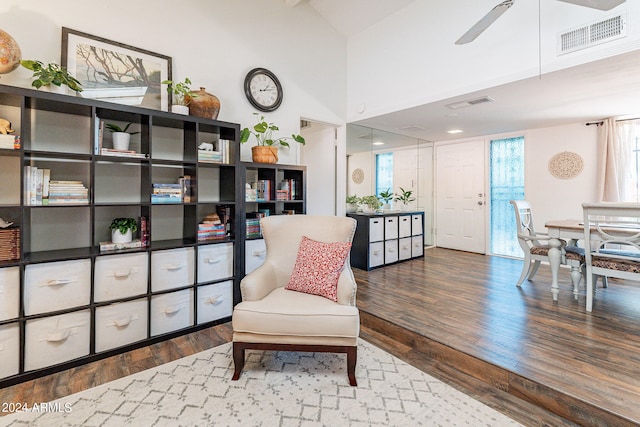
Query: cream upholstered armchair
x=311 y=254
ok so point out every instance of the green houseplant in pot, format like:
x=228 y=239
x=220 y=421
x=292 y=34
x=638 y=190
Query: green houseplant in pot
x=405 y=197
x=386 y=197
x=122 y=229
x=267 y=149
x=182 y=95
x=50 y=75
x=352 y=203
x=121 y=136
x=372 y=203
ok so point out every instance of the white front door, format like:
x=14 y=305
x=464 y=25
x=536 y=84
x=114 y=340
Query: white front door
x=460 y=198
x=319 y=155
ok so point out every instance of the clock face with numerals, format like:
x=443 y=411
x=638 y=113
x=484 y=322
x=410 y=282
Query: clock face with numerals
x=263 y=89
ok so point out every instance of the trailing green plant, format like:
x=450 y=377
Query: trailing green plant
x=263 y=132
x=112 y=127
x=353 y=200
x=373 y=202
x=180 y=91
x=386 y=195
x=50 y=74
x=405 y=196
x=124 y=224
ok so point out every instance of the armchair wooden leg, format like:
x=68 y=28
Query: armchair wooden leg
x=238 y=359
x=352 y=358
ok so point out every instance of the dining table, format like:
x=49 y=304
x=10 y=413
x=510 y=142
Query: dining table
x=559 y=231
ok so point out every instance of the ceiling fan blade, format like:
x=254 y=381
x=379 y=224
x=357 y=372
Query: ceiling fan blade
x=484 y=23
x=596 y=4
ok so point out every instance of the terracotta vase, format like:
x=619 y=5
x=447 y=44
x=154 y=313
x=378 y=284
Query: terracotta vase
x=203 y=104
x=264 y=154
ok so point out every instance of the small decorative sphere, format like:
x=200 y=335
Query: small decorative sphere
x=10 y=54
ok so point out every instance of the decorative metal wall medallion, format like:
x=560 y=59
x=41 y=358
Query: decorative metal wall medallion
x=566 y=165
x=357 y=176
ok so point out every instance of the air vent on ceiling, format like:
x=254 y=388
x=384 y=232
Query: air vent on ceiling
x=586 y=36
x=469 y=102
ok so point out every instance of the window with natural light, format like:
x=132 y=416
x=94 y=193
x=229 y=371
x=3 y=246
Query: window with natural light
x=384 y=172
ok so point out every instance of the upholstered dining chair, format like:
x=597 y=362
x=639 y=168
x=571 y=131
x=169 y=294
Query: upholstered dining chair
x=303 y=297
x=612 y=233
x=536 y=248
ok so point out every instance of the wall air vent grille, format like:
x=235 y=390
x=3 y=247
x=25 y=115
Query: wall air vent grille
x=586 y=36
x=469 y=102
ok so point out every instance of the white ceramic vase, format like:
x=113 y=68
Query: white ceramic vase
x=118 y=237
x=121 y=140
x=180 y=109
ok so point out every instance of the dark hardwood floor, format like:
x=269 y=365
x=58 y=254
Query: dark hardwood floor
x=459 y=317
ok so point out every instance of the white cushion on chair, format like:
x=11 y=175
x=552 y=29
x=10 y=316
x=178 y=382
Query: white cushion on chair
x=292 y=313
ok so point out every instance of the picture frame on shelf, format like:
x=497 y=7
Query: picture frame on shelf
x=116 y=72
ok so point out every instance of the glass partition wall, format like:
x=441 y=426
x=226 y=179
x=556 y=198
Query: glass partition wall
x=380 y=161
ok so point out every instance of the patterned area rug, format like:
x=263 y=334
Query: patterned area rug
x=275 y=389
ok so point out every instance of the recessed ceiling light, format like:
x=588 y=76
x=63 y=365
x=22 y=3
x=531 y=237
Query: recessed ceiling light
x=378 y=143
x=455 y=131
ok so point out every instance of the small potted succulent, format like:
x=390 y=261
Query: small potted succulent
x=352 y=203
x=372 y=203
x=46 y=76
x=122 y=229
x=121 y=136
x=267 y=149
x=182 y=95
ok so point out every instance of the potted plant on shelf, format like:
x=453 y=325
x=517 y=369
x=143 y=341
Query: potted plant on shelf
x=267 y=149
x=121 y=136
x=182 y=95
x=386 y=196
x=46 y=76
x=352 y=203
x=122 y=229
x=372 y=203
x=405 y=197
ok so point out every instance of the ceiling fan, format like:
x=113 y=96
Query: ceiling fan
x=497 y=11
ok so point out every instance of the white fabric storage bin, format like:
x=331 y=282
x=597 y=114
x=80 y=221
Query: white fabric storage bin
x=404 y=226
x=376 y=254
x=121 y=324
x=376 y=229
x=215 y=262
x=172 y=268
x=120 y=276
x=215 y=301
x=404 y=248
x=390 y=251
x=170 y=312
x=417 y=246
x=55 y=286
x=56 y=339
x=416 y=224
x=255 y=254
x=390 y=227
x=9 y=293
x=9 y=350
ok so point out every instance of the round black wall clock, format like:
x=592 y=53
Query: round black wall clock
x=263 y=89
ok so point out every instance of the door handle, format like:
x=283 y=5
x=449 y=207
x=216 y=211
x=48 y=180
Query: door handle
x=480 y=202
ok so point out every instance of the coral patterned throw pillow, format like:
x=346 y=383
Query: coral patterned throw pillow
x=318 y=267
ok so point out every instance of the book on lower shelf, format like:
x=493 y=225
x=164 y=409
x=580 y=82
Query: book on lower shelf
x=9 y=142
x=40 y=190
x=10 y=244
x=122 y=153
x=212 y=228
x=110 y=246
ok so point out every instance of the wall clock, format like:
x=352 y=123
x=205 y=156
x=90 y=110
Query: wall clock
x=263 y=89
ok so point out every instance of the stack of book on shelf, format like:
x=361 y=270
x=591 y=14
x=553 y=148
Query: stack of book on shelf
x=66 y=192
x=110 y=246
x=263 y=190
x=9 y=142
x=211 y=228
x=287 y=190
x=166 y=193
x=9 y=244
x=253 y=223
x=214 y=152
x=122 y=153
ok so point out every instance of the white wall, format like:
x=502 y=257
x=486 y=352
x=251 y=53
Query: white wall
x=550 y=197
x=214 y=43
x=410 y=58
x=319 y=156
